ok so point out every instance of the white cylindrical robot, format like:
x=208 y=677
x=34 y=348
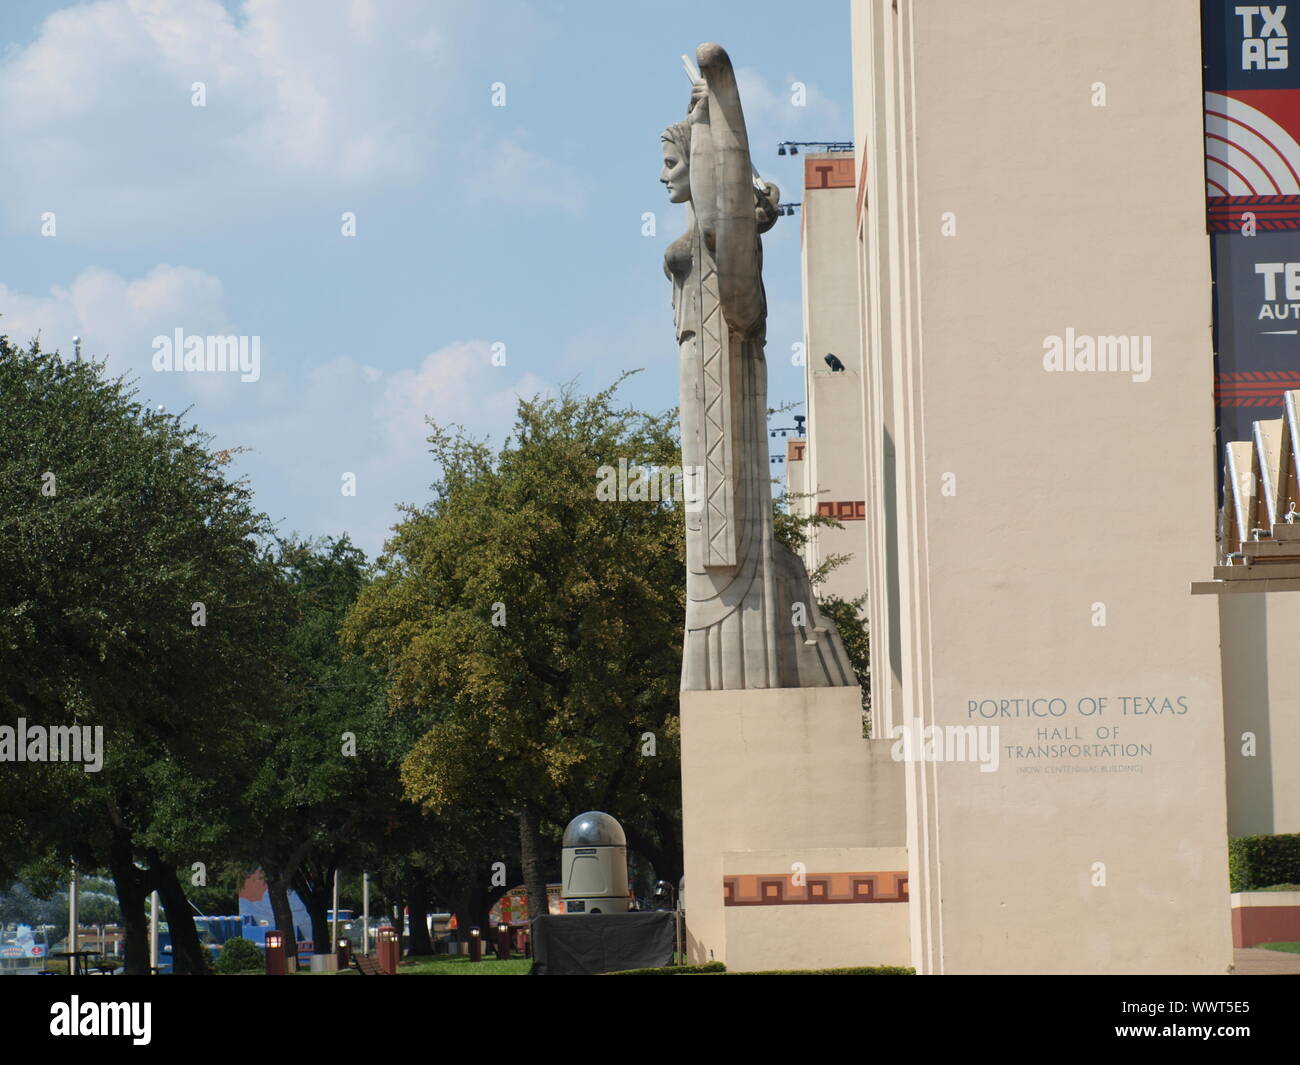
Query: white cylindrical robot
x=594 y=864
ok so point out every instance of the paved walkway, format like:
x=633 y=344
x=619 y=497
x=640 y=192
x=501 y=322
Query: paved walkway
x=1254 y=961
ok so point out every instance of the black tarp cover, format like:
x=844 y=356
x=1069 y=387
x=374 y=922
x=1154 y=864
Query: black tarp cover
x=574 y=943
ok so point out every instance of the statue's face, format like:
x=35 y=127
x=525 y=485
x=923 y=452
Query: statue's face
x=676 y=174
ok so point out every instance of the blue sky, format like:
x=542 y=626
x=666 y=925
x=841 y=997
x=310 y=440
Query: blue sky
x=475 y=225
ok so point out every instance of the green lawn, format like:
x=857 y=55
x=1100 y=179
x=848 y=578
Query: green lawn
x=453 y=965
x=460 y=965
x=439 y=965
x=1289 y=948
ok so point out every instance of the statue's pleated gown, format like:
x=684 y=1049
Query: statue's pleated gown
x=751 y=619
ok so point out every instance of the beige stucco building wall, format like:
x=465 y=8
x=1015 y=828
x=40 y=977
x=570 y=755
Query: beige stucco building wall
x=1261 y=707
x=832 y=468
x=1028 y=170
x=793 y=832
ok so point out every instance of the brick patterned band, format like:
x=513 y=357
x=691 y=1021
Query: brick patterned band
x=843 y=509
x=779 y=889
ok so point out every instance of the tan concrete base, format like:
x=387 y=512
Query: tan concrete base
x=785 y=804
x=1261 y=711
x=1248 y=962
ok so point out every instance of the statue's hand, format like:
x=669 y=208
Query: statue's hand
x=698 y=111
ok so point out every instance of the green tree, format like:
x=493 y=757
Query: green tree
x=793 y=527
x=136 y=595
x=537 y=627
x=423 y=860
x=321 y=767
x=239 y=955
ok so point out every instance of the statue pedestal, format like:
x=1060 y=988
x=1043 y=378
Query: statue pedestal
x=794 y=832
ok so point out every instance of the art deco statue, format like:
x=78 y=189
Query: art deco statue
x=751 y=621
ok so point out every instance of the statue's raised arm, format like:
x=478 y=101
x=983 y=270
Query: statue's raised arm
x=730 y=211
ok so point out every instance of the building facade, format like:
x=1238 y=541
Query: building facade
x=1036 y=385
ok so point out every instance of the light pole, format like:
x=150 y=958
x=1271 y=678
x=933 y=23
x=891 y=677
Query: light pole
x=365 y=913
x=153 y=933
x=73 y=967
x=334 y=928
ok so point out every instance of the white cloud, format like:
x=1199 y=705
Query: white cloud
x=455 y=384
x=303 y=98
x=508 y=171
x=772 y=105
x=309 y=103
x=771 y=117
x=305 y=427
x=345 y=417
x=117 y=318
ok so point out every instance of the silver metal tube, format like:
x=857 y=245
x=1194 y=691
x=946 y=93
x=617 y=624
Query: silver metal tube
x=153 y=932
x=73 y=921
x=365 y=913
x=334 y=928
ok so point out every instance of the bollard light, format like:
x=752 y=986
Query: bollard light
x=503 y=942
x=343 y=948
x=475 y=944
x=390 y=949
x=275 y=954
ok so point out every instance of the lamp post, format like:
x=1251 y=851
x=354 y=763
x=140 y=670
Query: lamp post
x=389 y=948
x=153 y=933
x=74 y=966
x=334 y=927
x=365 y=913
x=275 y=953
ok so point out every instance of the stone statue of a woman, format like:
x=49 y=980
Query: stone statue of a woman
x=751 y=620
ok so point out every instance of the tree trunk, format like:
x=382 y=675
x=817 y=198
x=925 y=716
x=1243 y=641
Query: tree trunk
x=472 y=907
x=490 y=898
x=419 y=903
x=188 y=954
x=316 y=892
x=530 y=854
x=132 y=890
x=320 y=926
x=283 y=913
x=666 y=856
x=671 y=852
x=395 y=917
x=465 y=908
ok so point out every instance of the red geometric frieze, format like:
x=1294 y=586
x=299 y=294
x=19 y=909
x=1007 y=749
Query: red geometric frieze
x=843 y=510
x=780 y=889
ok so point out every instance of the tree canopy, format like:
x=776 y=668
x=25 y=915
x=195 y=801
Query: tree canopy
x=536 y=627
x=137 y=595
